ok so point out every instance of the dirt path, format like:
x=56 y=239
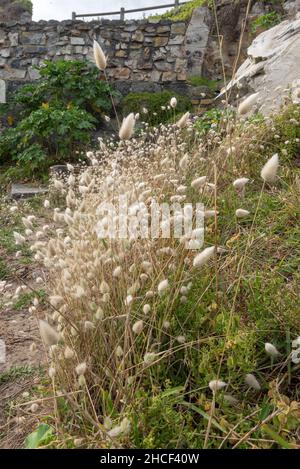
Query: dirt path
x=21 y=370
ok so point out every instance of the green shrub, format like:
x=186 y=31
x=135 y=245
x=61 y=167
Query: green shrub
x=196 y=80
x=69 y=82
x=266 y=21
x=153 y=102
x=46 y=136
x=212 y=117
x=53 y=116
x=26 y=4
x=183 y=12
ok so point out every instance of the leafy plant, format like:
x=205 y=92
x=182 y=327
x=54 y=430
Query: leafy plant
x=71 y=82
x=196 y=80
x=210 y=118
x=267 y=21
x=47 y=135
x=40 y=436
x=156 y=105
x=183 y=12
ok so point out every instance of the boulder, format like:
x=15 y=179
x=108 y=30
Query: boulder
x=272 y=67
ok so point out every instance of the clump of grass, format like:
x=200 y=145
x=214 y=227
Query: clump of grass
x=196 y=80
x=146 y=326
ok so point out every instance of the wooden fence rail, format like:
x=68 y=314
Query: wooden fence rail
x=122 y=11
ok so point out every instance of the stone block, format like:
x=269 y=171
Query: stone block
x=160 y=41
x=33 y=38
x=5 y=52
x=138 y=36
x=77 y=41
x=13 y=39
x=169 y=76
x=178 y=28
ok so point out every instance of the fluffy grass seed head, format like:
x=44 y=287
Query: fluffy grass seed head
x=204 y=256
x=271 y=350
x=99 y=56
x=269 y=171
x=247 y=104
x=216 y=384
x=252 y=382
x=127 y=127
x=49 y=335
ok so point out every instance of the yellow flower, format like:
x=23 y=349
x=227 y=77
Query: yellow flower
x=45 y=105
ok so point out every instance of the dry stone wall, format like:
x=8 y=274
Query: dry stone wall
x=142 y=55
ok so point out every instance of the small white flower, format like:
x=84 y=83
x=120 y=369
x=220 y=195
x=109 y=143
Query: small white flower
x=183 y=120
x=119 y=351
x=52 y=372
x=34 y=408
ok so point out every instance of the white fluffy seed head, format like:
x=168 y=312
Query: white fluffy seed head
x=216 y=385
x=81 y=369
x=138 y=327
x=68 y=353
x=252 y=382
x=199 y=182
x=127 y=127
x=203 y=257
x=173 y=102
x=99 y=56
x=240 y=183
x=247 y=104
x=269 y=171
x=146 y=309
x=49 y=335
x=163 y=286
x=241 y=213
x=271 y=349
x=182 y=122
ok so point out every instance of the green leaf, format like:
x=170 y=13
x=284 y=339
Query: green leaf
x=272 y=433
x=205 y=415
x=40 y=435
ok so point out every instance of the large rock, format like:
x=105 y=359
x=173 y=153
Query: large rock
x=272 y=66
x=197 y=36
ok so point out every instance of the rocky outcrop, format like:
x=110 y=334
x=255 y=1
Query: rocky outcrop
x=272 y=68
